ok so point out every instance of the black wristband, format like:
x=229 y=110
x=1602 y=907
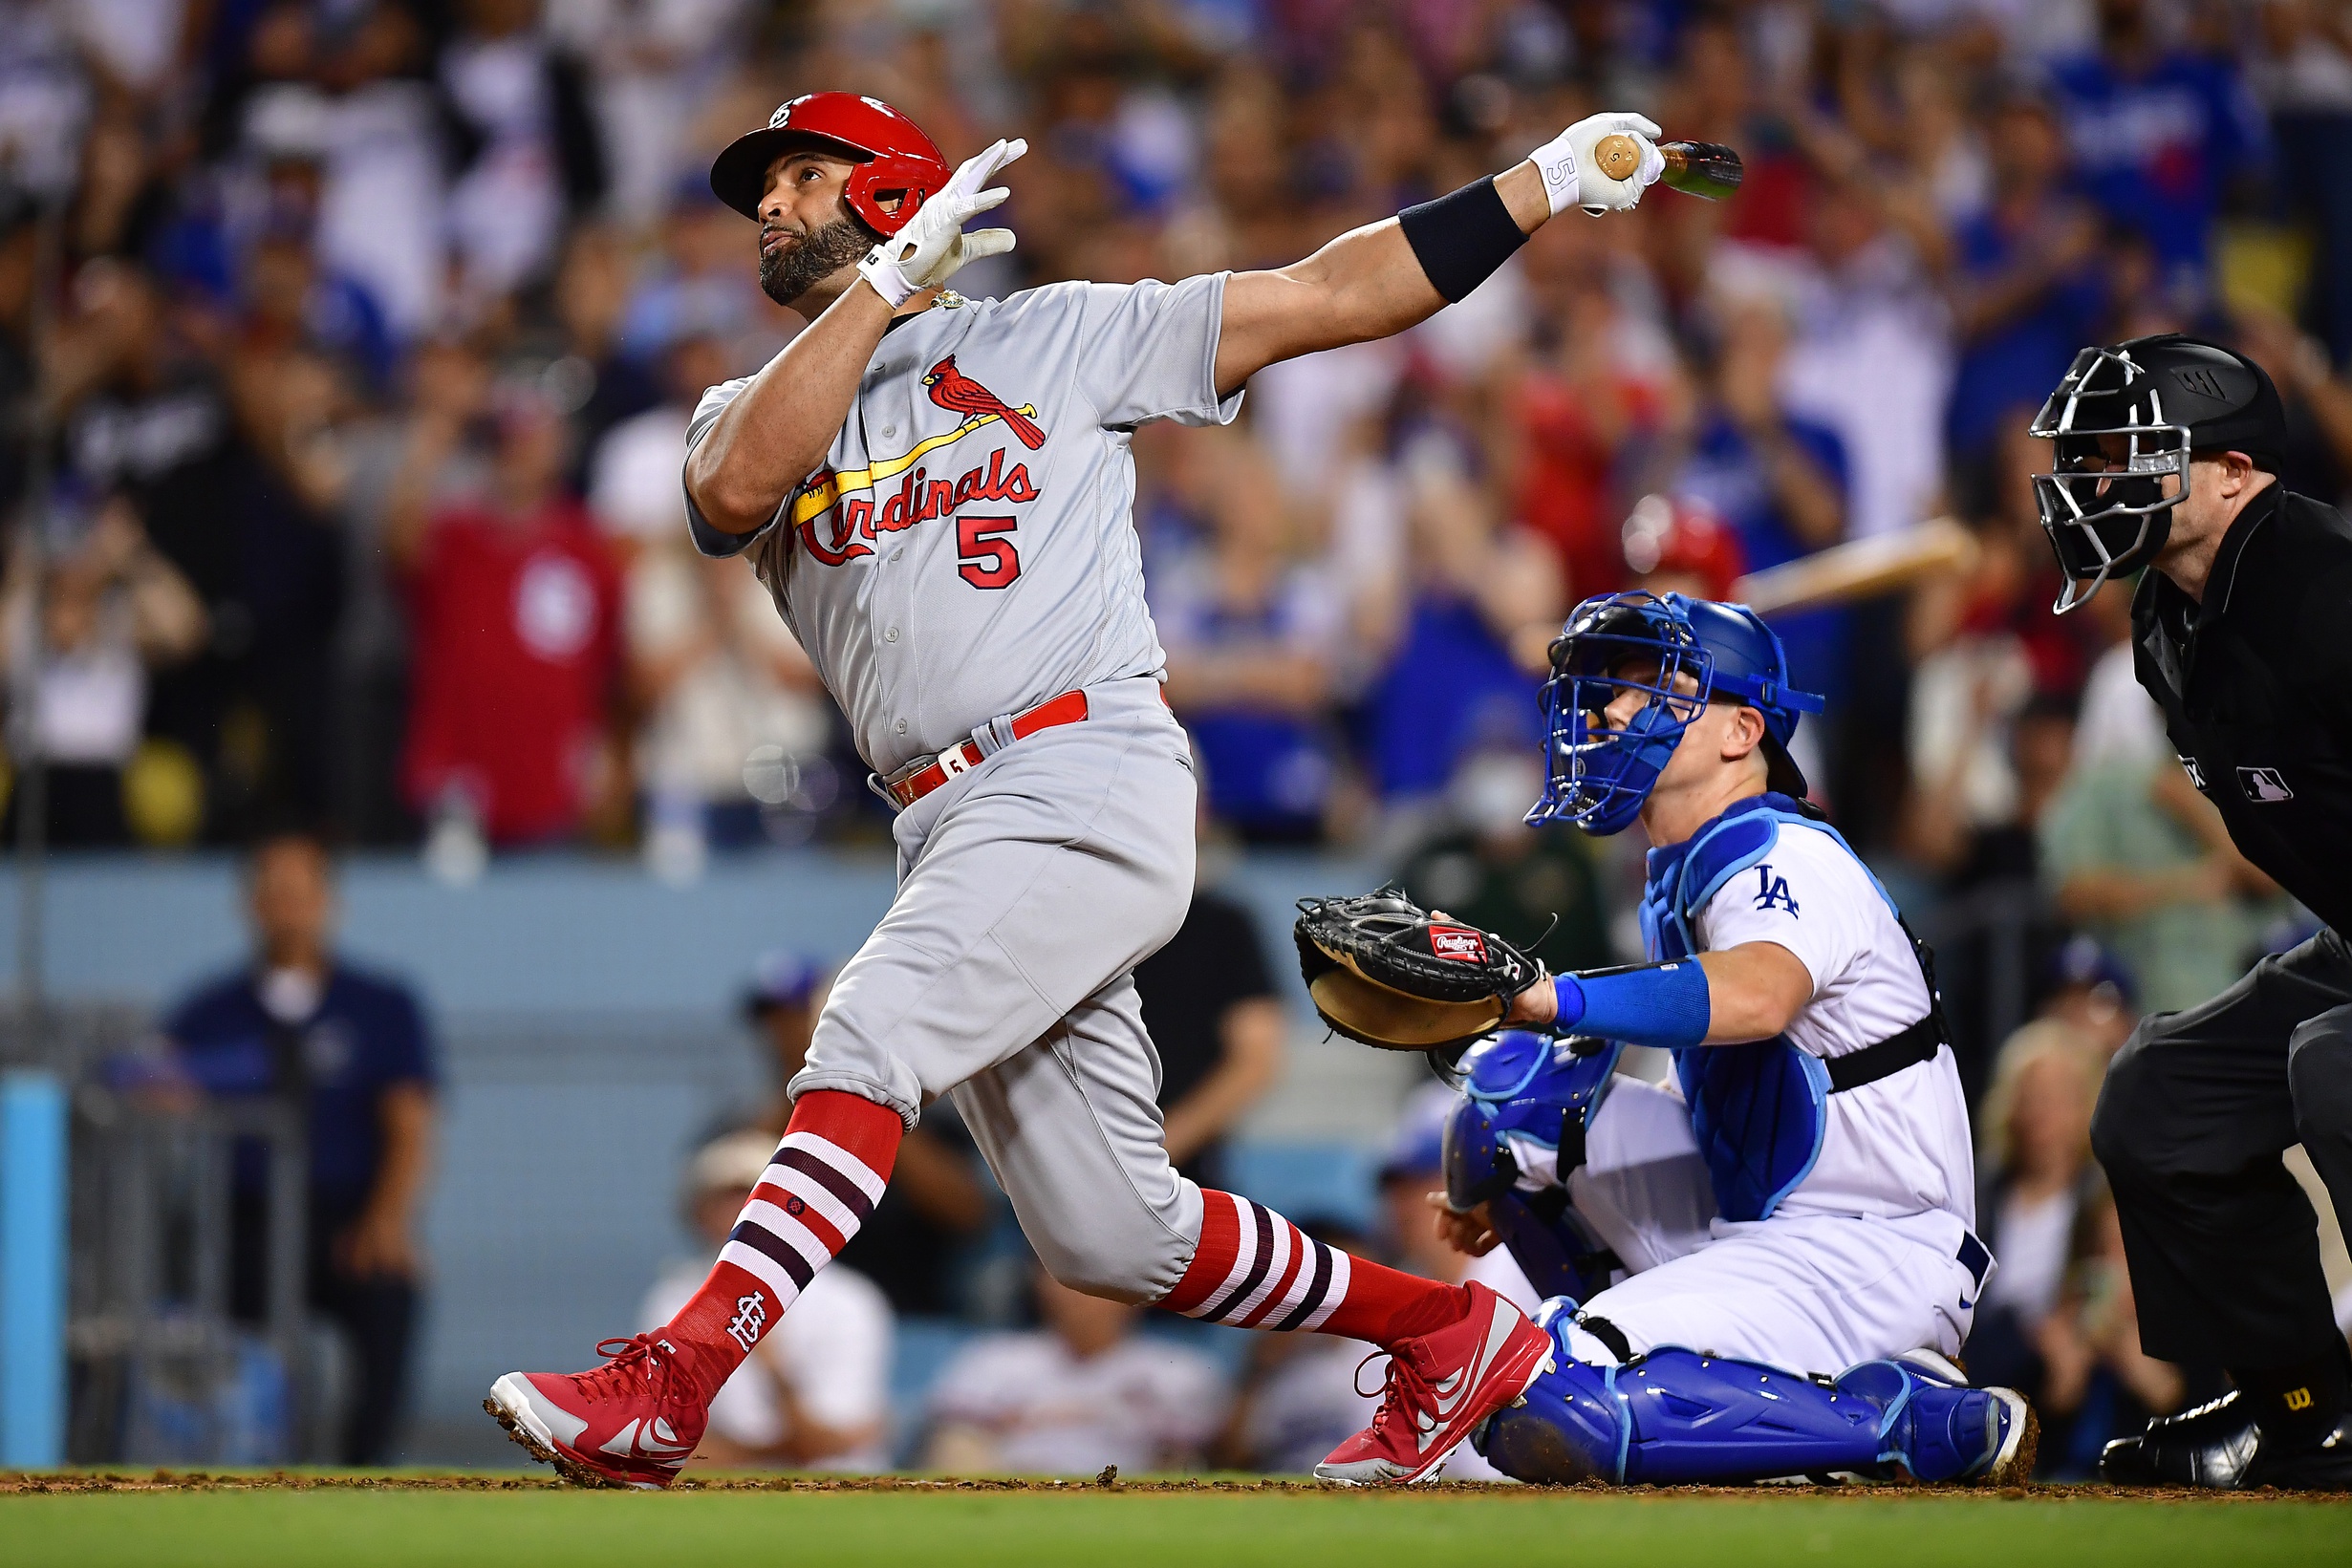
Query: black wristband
x=1459 y=239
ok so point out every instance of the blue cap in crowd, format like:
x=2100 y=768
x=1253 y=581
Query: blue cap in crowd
x=783 y=979
x=1417 y=1145
x=2085 y=964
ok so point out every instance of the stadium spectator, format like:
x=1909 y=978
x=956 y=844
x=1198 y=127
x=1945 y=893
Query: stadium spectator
x=2134 y=855
x=650 y=66
x=1472 y=585
x=2026 y=286
x=1869 y=354
x=1579 y=405
x=351 y=1053
x=2096 y=1383
x=110 y=608
x=532 y=152
x=2317 y=459
x=699 y=286
x=937 y=1204
x=2037 y=1180
x=2158 y=135
x=1252 y=634
x=1218 y=1024
x=592 y=298
x=2302 y=70
x=1779 y=480
x=716 y=674
x=815 y=1394
x=2092 y=994
x=516 y=605
x=1067 y=1399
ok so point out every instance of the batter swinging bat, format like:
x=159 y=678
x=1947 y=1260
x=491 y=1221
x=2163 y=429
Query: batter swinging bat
x=1860 y=568
x=1707 y=169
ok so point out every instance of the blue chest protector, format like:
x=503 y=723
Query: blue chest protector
x=1760 y=1110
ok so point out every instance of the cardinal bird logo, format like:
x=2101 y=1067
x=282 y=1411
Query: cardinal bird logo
x=958 y=393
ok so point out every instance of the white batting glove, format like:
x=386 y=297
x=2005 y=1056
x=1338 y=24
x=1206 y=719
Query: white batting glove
x=927 y=253
x=1571 y=177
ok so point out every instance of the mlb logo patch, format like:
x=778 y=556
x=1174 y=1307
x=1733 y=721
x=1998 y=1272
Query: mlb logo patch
x=1458 y=942
x=2263 y=785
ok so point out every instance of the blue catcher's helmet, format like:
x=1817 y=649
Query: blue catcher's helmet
x=1596 y=777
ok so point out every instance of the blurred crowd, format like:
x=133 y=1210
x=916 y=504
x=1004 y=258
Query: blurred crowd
x=370 y=328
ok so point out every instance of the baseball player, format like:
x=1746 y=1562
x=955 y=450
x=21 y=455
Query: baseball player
x=1787 y=1222
x=937 y=490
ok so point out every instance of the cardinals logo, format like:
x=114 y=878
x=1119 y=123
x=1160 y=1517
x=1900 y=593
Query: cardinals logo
x=917 y=496
x=958 y=393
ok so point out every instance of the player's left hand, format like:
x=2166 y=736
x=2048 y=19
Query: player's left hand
x=1467 y=1230
x=933 y=245
x=1572 y=175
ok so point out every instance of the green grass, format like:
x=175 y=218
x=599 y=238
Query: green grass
x=349 y=1528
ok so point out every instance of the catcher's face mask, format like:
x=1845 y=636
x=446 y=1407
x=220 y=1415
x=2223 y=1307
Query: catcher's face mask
x=1599 y=766
x=2122 y=466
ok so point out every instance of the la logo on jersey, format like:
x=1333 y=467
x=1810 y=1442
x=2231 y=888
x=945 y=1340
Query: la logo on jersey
x=1772 y=892
x=919 y=497
x=2263 y=785
x=750 y=1316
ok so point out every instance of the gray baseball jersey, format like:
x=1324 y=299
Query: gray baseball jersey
x=968 y=549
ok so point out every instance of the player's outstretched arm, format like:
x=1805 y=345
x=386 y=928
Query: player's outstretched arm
x=1385 y=277
x=1744 y=993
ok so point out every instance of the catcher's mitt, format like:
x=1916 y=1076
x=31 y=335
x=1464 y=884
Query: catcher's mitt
x=1385 y=972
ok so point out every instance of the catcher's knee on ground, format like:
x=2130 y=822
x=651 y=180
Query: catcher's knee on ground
x=1680 y=1416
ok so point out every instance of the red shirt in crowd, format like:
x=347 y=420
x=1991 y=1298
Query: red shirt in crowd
x=517 y=647
x=1563 y=489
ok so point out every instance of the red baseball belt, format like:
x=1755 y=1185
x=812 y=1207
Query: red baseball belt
x=1069 y=708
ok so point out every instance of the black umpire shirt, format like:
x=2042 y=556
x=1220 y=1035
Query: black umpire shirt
x=2256 y=689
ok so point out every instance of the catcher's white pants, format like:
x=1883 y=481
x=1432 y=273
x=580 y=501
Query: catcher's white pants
x=1028 y=889
x=1808 y=1293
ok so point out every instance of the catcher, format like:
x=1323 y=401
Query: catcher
x=1762 y=1268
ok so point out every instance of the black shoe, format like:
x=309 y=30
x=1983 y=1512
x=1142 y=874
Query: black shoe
x=2220 y=1445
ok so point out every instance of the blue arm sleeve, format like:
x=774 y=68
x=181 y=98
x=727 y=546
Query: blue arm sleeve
x=1657 y=1004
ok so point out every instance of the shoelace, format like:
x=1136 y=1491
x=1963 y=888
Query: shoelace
x=627 y=1362
x=1403 y=1389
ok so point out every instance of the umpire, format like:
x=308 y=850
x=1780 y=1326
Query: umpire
x=2168 y=452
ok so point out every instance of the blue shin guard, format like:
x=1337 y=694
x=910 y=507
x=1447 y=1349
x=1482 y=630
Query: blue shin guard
x=1675 y=1416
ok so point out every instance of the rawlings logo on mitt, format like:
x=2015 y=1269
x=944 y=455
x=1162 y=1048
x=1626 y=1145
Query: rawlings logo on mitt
x=1386 y=972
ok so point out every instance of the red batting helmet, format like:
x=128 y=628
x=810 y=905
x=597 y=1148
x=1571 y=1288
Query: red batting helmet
x=1683 y=537
x=894 y=159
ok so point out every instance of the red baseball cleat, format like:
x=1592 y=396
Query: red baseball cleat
x=1440 y=1386
x=630 y=1423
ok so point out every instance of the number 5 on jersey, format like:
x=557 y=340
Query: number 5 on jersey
x=987 y=561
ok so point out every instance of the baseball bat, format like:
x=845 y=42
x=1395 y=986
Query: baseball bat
x=1706 y=169
x=1860 y=568
x=1857 y=569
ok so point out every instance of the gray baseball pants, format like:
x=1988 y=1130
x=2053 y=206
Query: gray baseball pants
x=1029 y=889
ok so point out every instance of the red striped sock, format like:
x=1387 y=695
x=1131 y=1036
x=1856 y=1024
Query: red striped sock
x=825 y=1178
x=1253 y=1269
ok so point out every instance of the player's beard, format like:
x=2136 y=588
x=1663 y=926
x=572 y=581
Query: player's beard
x=791 y=270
